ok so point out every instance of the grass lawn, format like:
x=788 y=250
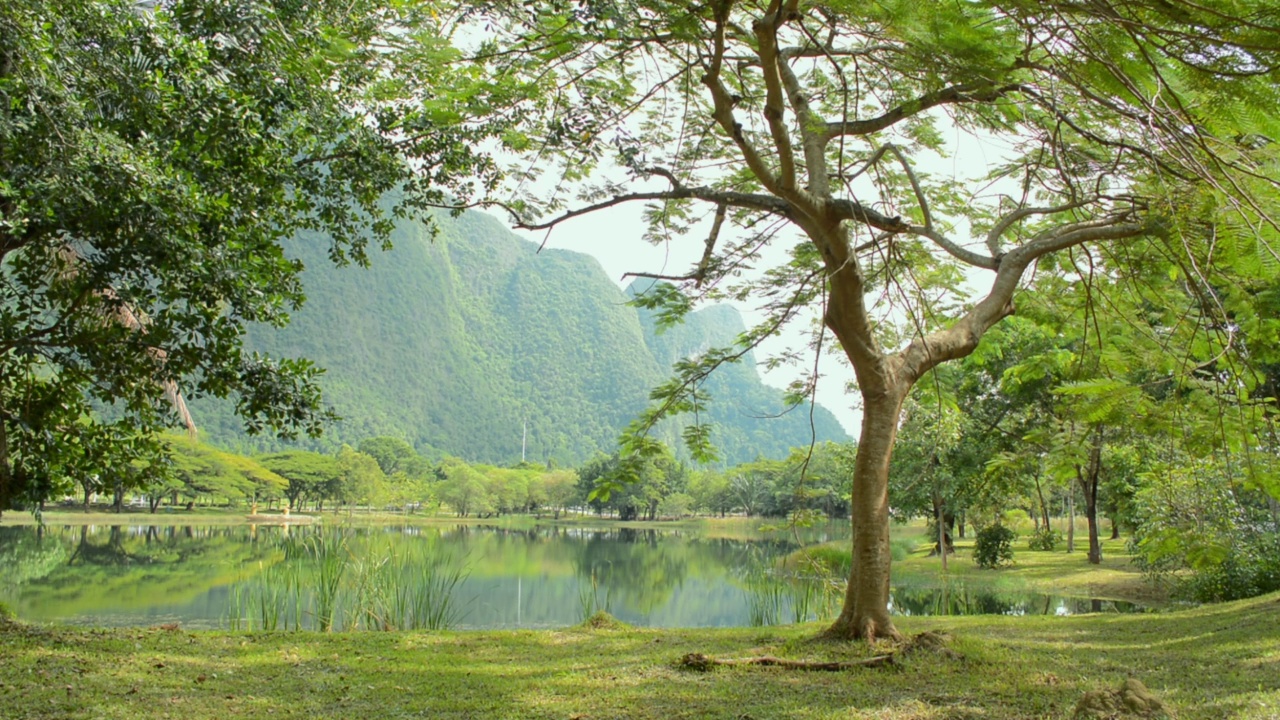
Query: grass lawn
x=1054 y=572
x=1215 y=662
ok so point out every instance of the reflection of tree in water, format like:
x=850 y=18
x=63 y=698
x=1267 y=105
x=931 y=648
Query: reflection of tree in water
x=150 y=544
x=959 y=599
x=632 y=566
x=121 y=567
x=112 y=552
x=27 y=555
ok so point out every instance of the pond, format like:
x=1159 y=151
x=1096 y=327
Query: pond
x=413 y=576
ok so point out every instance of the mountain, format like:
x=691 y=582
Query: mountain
x=458 y=343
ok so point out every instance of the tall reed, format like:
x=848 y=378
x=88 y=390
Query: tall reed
x=589 y=604
x=330 y=558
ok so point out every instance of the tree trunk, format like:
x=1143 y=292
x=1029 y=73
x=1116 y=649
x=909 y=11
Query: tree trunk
x=1089 y=477
x=944 y=544
x=943 y=521
x=1044 y=506
x=6 y=470
x=1071 y=521
x=866 y=605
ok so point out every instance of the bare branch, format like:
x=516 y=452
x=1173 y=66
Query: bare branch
x=701 y=273
x=814 y=144
x=953 y=249
x=1001 y=227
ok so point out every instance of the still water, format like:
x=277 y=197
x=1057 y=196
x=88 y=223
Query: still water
x=462 y=576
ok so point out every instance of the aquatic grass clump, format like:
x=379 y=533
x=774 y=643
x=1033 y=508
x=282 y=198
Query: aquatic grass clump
x=413 y=589
x=271 y=600
x=765 y=591
x=797 y=587
x=589 y=604
x=330 y=559
x=320 y=584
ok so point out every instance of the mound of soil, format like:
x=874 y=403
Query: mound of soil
x=1132 y=700
x=603 y=621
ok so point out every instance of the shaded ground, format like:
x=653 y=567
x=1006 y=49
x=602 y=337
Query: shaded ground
x=1210 y=662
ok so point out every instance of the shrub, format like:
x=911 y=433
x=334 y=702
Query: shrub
x=1044 y=539
x=1191 y=518
x=1248 y=570
x=993 y=546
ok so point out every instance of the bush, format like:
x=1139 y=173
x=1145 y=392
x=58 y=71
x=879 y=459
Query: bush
x=1044 y=539
x=1191 y=518
x=1248 y=570
x=993 y=546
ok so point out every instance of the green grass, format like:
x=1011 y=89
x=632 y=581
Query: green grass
x=1054 y=572
x=1211 y=662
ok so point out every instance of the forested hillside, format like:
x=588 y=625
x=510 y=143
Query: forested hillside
x=455 y=343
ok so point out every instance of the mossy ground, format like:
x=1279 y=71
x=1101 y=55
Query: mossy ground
x=1215 y=662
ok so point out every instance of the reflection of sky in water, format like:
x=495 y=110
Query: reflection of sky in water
x=533 y=578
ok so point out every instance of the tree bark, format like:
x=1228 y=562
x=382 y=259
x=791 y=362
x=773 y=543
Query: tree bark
x=866 y=606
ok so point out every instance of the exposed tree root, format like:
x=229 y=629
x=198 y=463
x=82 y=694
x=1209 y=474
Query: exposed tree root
x=698 y=661
x=934 y=642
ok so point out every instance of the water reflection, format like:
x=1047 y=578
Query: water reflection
x=544 y=576
x=960 y=598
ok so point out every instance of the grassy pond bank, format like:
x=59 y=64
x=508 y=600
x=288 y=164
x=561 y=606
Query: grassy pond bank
x=1214 y=662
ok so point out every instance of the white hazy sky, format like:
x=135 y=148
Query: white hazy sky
x=615 y=238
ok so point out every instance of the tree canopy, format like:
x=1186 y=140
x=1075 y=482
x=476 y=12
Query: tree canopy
x=810 y=128
x=152 y=158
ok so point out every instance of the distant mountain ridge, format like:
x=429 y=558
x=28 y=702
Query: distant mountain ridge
x=460 y=343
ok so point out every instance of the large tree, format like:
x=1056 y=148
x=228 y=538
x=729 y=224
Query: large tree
x=808 y=126
x=153 y=155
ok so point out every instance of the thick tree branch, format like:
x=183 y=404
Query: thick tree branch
x=766 y=31
x=1008 y=221
x=953 y=249
x=956 y=94
x=957 y=341
x=722 y=102
x=854 y=210
x=814 y=143
x=751 y=201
